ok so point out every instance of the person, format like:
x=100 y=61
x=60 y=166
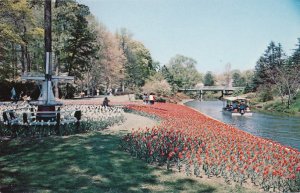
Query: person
x=26 y=98
x=21 y=95
x=151 y=99
x=81 y=94
x=242 y=107
x=14 y=96
x=234 y=105
x=145 y=98
x=105 y=102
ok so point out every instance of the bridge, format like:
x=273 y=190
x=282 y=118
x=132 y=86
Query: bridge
x=223 y=89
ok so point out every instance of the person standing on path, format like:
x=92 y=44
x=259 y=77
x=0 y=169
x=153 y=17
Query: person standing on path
x=151 y=98
x=14 y=96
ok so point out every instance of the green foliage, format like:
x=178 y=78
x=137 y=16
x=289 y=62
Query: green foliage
x=68 y=91
x=158 y=85
x=265 y=93
x=161 y=100
x=75 y=36
x=279 y=107
x=273 y=57
x=296 y=55
x=209 y=79
x=248 y=88
x=181 y=72
x=139 y=65
x=15 y=26
x=276 y=71
x=238 y=79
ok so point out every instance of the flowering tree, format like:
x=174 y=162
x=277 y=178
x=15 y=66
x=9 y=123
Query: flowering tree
x=158 y=85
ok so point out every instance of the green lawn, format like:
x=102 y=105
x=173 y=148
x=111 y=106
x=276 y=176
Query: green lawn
x=87 y=163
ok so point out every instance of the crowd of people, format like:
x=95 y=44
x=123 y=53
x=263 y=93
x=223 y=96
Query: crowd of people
x=237 y=107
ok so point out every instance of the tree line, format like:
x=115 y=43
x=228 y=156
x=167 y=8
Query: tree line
x=101 y=60
x=277 y=74
x=82 y=47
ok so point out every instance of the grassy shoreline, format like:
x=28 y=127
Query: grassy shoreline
x=275 y=107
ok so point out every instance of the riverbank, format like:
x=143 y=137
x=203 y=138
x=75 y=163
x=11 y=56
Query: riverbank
x=275 y=107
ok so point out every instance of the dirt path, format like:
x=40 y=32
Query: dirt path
x=131 y=121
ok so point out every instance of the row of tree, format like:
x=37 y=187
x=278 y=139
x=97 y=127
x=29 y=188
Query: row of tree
x=82 y=47
x=278 y=74
x=102 y=60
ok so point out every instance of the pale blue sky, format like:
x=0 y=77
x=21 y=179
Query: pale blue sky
x=213 y=32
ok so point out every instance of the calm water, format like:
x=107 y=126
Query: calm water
x=283 y=129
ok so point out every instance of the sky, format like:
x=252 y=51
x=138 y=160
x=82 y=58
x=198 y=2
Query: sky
x=213 y=32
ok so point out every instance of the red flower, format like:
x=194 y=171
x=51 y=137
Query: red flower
x=298 y=169
x=176 y=149
x=180 y=156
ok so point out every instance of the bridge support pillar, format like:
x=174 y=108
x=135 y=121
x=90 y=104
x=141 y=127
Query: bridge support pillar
x=201 y=95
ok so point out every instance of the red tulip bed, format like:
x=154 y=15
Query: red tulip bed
x=200 y=145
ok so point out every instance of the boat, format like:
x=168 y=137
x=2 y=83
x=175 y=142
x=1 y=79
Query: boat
x=236 y=106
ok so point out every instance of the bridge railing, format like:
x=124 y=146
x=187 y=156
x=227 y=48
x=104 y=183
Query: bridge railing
x=212 y=88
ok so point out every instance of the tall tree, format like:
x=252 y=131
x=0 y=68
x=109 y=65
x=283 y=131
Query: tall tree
x=75 y=44
x=296 y=55
x=108 y=69
x=13 y=18
x=181 y=72
x=273 y=57
x=139 y=65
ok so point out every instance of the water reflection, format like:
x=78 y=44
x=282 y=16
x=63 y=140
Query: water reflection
x=283 y=129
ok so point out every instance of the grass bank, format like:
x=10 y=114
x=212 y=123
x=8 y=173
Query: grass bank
x=277 y=108
x=90 y=162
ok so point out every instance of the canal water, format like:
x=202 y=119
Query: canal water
x=283 y=129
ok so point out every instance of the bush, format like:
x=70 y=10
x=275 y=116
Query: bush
x=159 y=87
x=265 y=93
x=161 y=100
x=68 y=91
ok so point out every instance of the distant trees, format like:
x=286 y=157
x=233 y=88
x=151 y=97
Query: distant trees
x=209 y=79
x=275 y=70
x=181 y=72
x=243 y=79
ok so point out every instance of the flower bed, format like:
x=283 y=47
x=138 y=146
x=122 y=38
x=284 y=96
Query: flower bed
x=200 y=145
x=93 y=117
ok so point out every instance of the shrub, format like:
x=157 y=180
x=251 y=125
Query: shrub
x=161 y=100
x=159 y=87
